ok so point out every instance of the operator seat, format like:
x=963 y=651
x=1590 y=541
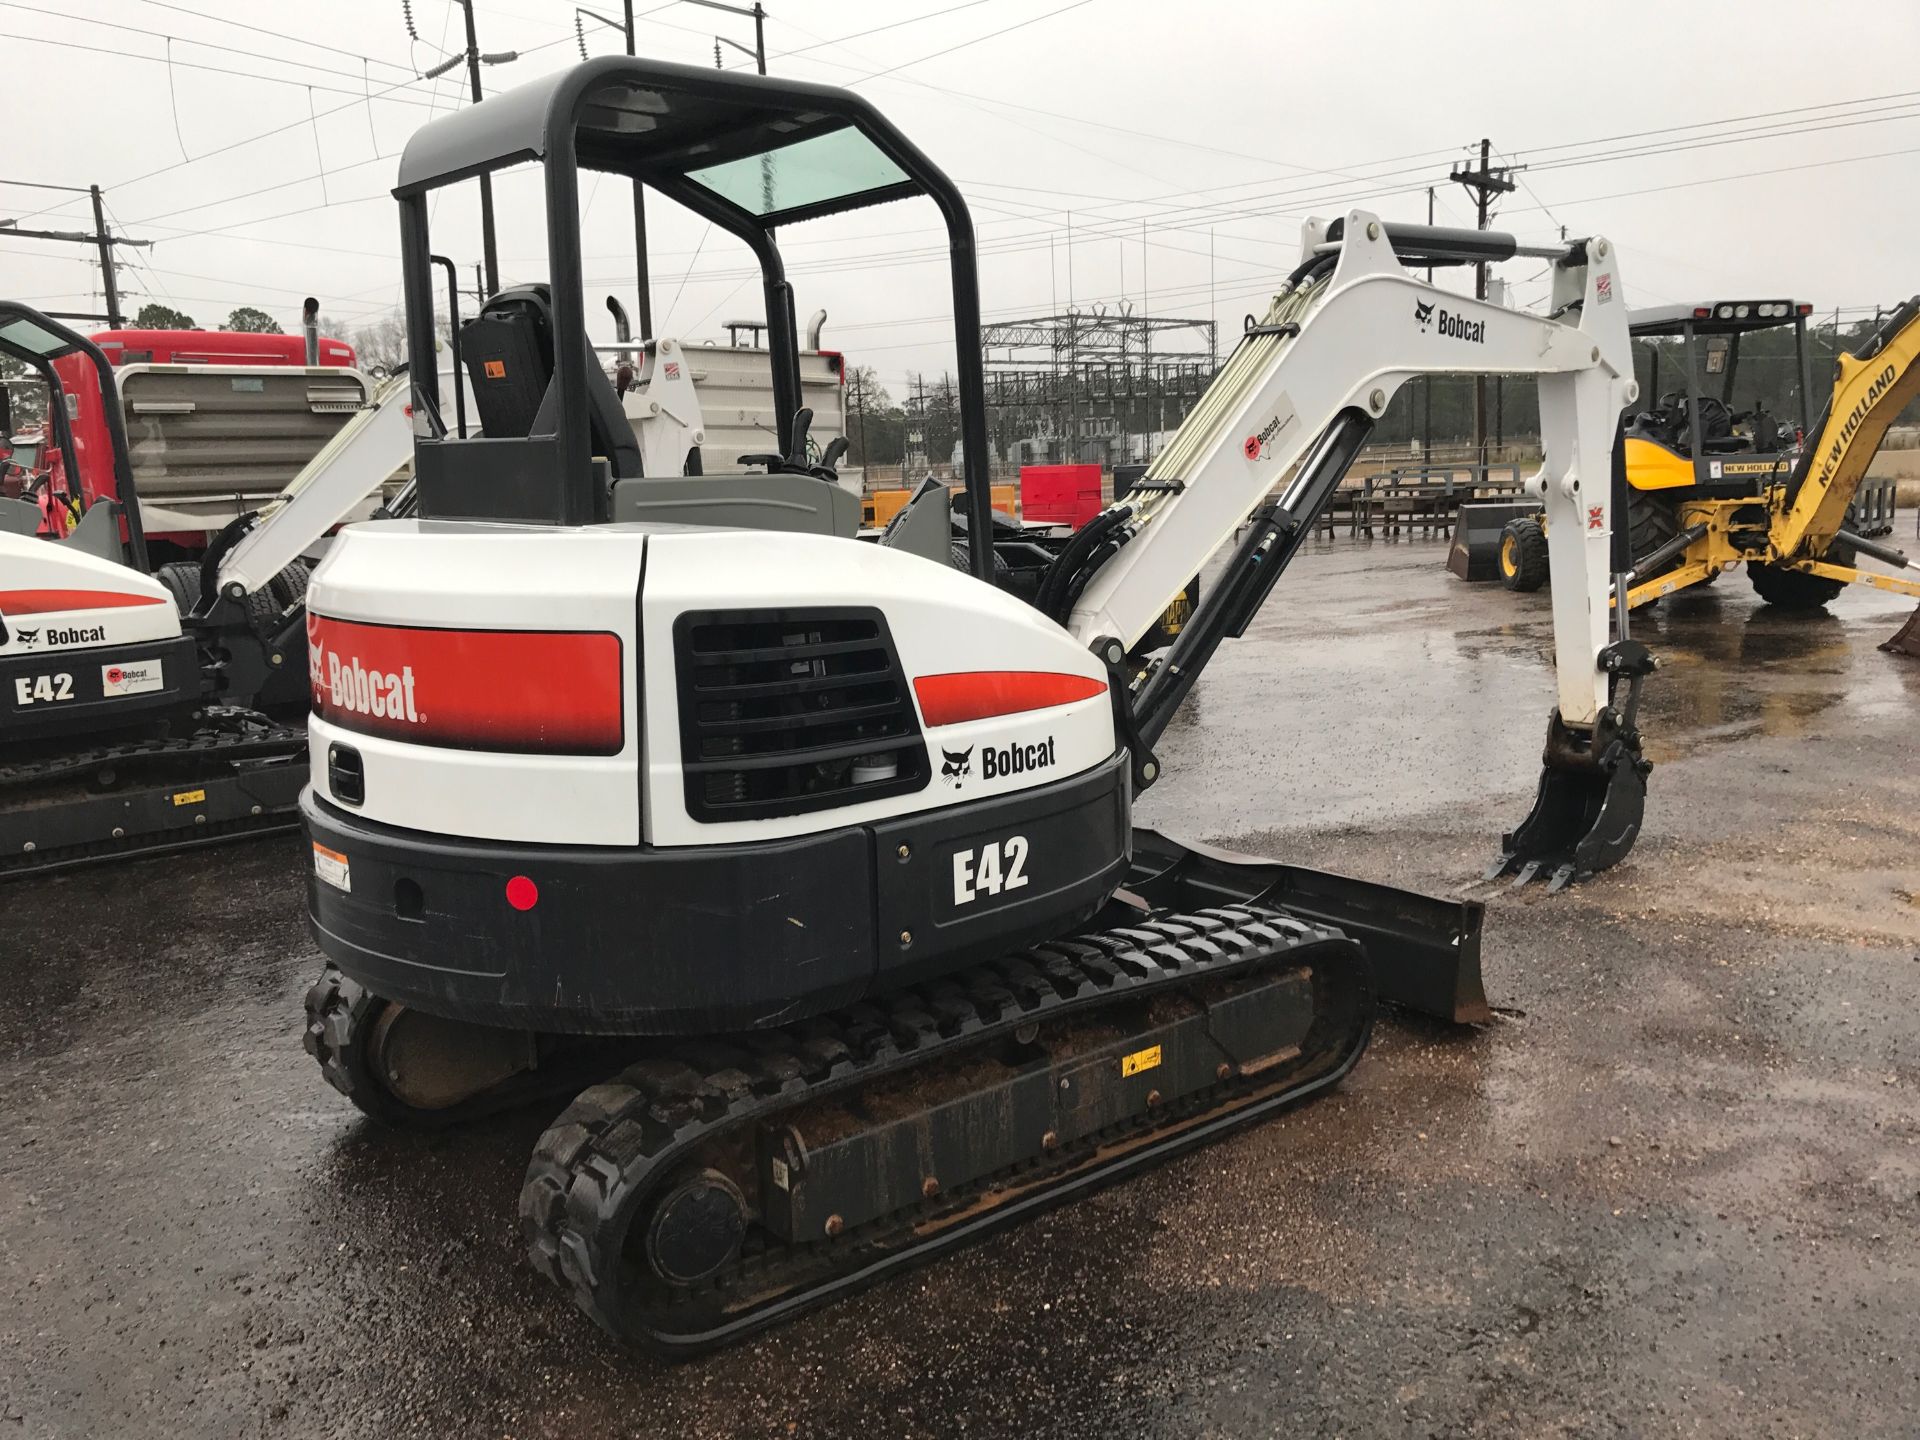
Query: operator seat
x=508 y=352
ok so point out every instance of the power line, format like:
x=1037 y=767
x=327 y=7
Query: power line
x=977 y=40
x=278 y=35
x=178 y=40
x=360 y=96
x=877 y=29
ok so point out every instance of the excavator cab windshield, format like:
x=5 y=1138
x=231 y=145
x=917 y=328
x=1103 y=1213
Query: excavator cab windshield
x=748 y=154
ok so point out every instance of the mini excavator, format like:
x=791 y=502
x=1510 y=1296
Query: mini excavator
x=811 y=857
x=147 y=709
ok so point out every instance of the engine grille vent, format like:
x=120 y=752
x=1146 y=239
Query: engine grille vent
x=787 y=711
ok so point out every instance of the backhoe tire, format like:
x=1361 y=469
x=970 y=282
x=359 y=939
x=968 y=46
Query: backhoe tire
x=1795 y=589
x=1651 y=522
x=1523 y=556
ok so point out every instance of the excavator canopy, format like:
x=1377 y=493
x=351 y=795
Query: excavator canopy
x=748 y=153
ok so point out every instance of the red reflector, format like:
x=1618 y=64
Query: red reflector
x=46 y=602
x=522 y=893
x=977 y=694
x=1701 y=312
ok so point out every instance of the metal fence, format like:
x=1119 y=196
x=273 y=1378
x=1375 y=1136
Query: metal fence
x=1418 y=497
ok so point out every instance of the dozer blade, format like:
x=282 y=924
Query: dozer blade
x=1587 y=812
x=1906 y=640
x=1424 y=951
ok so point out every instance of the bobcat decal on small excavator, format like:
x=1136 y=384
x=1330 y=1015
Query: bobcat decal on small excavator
x=958 y=764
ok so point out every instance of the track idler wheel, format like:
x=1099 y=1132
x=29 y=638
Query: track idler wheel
x=404 y=1067
x=696 y=1229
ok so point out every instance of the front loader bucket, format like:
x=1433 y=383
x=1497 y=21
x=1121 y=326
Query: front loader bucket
x=1475 y=552
x=1587 y=812
x=1906 y=640
x=1424 y=951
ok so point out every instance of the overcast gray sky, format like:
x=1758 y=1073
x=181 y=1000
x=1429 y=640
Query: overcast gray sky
x=1179 y=144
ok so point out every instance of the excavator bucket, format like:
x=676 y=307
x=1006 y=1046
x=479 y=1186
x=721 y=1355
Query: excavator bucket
x=1906 y=640
x=1587 y=812
x=1424 y=951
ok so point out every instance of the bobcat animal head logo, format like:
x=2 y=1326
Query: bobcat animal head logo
x=27 y=637
x=1423 y=312
x=959 y=765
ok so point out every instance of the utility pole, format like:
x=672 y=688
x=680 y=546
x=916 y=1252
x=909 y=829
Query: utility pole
x=473 y=58
x=860 y=422
x=754 y=13
x=641 y=278
x=102 y=239
x=1426 y=384
x=1484 y=183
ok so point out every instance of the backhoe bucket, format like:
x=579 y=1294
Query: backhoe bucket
x=1587 y=812
x=1906 y=640
x=1424 y=951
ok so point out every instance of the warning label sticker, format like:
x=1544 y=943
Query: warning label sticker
x=331 y=866
x=131 y=677
x=1140 y=1060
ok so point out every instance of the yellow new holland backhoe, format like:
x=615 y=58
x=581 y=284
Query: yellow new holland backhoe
x=1711 y=486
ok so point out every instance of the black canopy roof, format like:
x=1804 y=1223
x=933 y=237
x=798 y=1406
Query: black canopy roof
x=774 y=151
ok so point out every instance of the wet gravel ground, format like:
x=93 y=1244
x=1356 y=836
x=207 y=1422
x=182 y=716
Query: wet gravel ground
x=1672 y=1190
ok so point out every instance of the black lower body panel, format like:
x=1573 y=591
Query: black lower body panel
x=68 y=694
x=648 y=940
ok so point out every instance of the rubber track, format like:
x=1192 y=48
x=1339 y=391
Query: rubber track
x=211 y=744
x=595 y=1167
x=230 y=735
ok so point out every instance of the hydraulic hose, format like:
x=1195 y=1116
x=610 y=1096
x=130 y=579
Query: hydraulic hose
x=1055 y=596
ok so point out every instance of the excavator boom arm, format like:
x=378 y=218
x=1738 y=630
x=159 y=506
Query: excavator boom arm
x=1352 y=327
x=1869 y=392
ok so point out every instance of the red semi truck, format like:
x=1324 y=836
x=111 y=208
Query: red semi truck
x=217 y=423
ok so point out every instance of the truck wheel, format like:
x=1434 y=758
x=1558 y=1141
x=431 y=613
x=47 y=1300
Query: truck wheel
x=963 y=561
x=1523 y=555
x=290 y=584
x=182 y=579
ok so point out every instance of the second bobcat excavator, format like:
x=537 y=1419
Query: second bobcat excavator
x=812 y=857
x=146 y=708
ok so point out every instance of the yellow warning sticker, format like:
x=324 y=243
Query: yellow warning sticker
x=188 y=797
x=1140 y=1060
